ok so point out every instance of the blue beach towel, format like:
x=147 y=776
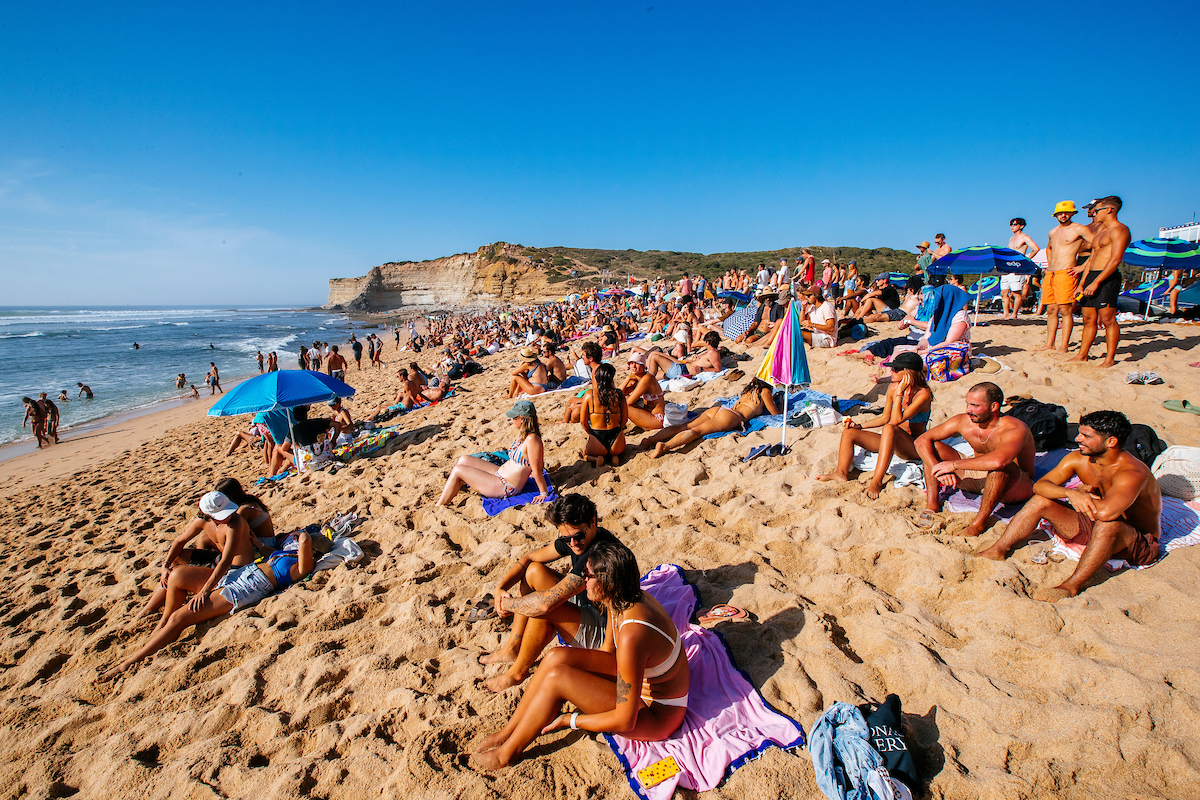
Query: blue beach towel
x=494 y=505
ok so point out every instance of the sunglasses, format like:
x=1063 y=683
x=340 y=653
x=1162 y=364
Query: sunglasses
x=574 y=537
x=589 y=574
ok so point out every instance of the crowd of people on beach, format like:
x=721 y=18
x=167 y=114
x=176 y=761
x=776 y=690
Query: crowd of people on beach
x=622 y=668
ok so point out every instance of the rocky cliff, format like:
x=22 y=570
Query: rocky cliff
x=492 y=275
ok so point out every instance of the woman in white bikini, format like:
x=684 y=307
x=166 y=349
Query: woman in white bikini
x=525 y=459
x=636 y=685
x=647 y=405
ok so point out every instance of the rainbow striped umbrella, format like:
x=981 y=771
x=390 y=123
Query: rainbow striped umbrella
x=785 y=363
x=1163 y=254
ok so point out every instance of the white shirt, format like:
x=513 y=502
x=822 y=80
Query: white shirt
x=823 y=313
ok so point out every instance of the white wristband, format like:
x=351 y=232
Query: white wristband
x=574 y=717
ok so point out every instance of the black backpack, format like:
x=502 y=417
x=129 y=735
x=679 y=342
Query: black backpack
x=1046 y=421
x=1144 y=443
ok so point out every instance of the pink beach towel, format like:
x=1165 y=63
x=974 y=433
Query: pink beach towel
x=727 y=723
x=1180 y=528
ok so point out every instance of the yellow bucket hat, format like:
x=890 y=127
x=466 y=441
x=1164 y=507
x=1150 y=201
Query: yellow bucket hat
x=1067 y=206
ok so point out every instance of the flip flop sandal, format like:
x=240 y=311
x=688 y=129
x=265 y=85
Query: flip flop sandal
x=723 y=612
x=1151 y=378
x=926 y=520
x=1194 y=364
x=1134 y=377
x=735 y=375
x=1181 y=405
x=483 y=609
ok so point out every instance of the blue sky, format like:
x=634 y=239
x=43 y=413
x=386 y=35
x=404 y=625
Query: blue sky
x=245 y=153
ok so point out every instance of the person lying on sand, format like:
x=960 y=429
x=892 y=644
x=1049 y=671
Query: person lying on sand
x=239 y=588
x=636 y=685
x=223 y=541
x=604 y=416
x=550 y=602
x=755 y=399
x=525 y=459
x=1003 y=448
x=1118 y=509
x=647 y=406
x=906 y=409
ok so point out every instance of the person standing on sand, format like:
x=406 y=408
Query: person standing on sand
x=260 y=362
x=1117 y=509
x=1058 y=285
x=924 y=259
x=1101 y=280
x=942 y=249
x=549 y=601
x=34 y=414
x=51 y=416
x=1012 y=287
x=85 y=390
x=216 y=378
x=356 y=347
x=336 y=365
x=1003 y=448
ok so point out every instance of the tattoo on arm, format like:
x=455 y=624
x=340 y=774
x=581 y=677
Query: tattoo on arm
x=552 y=597
x=622 y=689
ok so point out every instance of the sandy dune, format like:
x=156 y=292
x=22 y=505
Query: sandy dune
x=363 y=682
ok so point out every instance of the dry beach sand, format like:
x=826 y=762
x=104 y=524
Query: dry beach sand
x=364 y=681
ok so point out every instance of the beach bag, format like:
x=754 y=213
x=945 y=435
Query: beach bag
x=948 y=362
x=1047 y=422
x=1178 y=472
x=883 y=730
x=1144 y=443
x=676 y=414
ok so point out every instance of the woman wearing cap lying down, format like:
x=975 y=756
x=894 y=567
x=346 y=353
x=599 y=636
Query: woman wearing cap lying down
x=525 y=459
x=227 y=588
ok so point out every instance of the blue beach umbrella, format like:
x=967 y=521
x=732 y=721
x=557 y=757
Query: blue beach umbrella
x=282 y=389
x=1167 y=255
x=272 y=391
x=983 y=260
x=898 y=279
x=738 y=297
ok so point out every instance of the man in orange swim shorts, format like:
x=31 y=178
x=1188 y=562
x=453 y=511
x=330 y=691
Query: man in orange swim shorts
x=1059 y=286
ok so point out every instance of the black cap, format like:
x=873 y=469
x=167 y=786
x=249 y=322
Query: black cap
x=907 y=360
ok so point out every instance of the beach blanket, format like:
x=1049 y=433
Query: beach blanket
x=397 y=410
x=960 y=502
x=691 y=382
x=363 y=445
x=494 y=505
x=728 y=723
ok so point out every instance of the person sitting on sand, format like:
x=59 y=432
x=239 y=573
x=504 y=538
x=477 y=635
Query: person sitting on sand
x=525 y=460
x=906 y=409
x=530 y=375
x=636 y=685
x=671 y=368
x=755 y=399
x=767 y=317
x=605 y=413
x=304 y=433
x=556 y=370
x=256 y=433
x=1003 y=449
x=881 y=303
x=820 y=325
x=343 y=422
x=645 y=401
x=725 y=308
x=239 y=588
x=550 y=602
x=1117 y=511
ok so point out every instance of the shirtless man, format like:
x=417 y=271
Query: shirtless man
x=35 y=415
x=1003 y=448
x=1101 y=280
x=550 y=602
x=556 y=370
x=672 y=368
x=259 y=359
x=216 y=378
x=336 y=365
x=1012 y=287
x=940 y=247
x=644 y=396
x=84 y=390
x=51 y=416
x=1116 y=512
x=1058 y=286
x=343 y=423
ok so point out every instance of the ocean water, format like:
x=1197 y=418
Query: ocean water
x=46 y=349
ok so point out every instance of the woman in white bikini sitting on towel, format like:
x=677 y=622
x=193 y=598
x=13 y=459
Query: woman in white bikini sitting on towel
x=636 y=685
x=525 y=459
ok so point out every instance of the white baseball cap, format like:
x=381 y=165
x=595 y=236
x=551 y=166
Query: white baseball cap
x=218 y=506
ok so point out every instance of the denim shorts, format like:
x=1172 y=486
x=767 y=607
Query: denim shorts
x=675 y=371
x=245 y=586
